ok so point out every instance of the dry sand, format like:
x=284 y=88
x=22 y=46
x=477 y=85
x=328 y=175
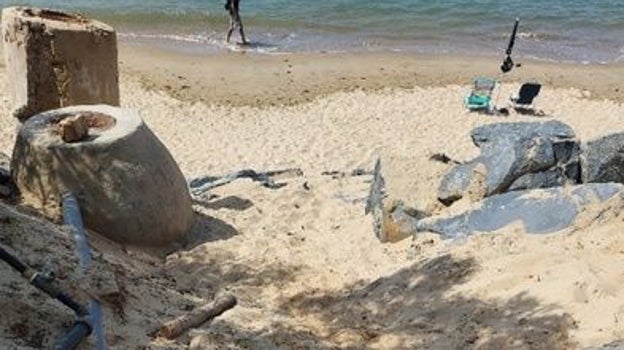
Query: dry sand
x=302 y=259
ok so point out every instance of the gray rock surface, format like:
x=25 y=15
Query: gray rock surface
x=540 y=211
x=7 y=188
x=5 y=173
x=602 y=159
x=455 y=183
x=520 y=130
x=544 y=179
x=513 y=156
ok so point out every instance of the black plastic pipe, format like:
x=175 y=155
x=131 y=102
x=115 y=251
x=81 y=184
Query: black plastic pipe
x=75 y=336
x=13 y=261
x=42 y=282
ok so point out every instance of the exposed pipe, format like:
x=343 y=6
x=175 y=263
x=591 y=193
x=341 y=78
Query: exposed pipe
x=73 y=219
x=80 y=330
x=43 y=282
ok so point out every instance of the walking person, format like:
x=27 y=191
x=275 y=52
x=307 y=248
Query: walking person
x=235 y=20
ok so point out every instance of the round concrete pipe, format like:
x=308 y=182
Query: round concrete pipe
x=129 y=187
x=56 y=59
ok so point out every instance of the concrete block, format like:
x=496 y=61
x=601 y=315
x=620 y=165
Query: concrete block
x=56 y=59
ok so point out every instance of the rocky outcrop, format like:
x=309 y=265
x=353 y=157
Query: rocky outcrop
x=7 y=188
x=539 y=211
x=602 y=159
x=514 y=156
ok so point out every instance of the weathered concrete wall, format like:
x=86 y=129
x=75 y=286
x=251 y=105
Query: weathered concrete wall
x=129 y=187
x=55 y=59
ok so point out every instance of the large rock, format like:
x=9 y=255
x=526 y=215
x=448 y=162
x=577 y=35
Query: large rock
x=6 y=183
x=5 y=173
x=539 y=211
x=521 y=130
x=602 y=159
x=514 y=156
x=55 y=59
x=129 y=187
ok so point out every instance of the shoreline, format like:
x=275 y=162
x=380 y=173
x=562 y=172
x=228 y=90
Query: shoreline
x=262 y=80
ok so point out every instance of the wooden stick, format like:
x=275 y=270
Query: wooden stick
x=196 y=318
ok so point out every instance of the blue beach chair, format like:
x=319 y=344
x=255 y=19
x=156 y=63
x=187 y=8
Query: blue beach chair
x=480 y=98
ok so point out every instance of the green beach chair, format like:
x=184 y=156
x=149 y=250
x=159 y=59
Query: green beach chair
x=480 y=98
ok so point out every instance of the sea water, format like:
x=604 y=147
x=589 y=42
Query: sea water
x=562 y=30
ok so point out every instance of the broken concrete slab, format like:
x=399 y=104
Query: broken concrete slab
x=539 y=211
x=602 y=160
x=56 y=59
x=511 y=151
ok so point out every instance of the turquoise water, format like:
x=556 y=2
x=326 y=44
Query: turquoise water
x=570 y=30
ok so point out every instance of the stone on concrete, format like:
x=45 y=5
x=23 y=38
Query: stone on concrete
x=129 y=187
x=56 y=59
x=602 y=159
x=539 y=211
x=74 y=129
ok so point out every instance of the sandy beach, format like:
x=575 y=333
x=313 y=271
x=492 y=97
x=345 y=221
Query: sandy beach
x=302 y=259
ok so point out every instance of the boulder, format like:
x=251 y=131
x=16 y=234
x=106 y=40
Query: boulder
x=5 y=173
x=456 y=181
x=514 y=156
x=7 y=189
x=128 y=186
x=552 y=129
x=539 y=211
x=55 y=59
x=602 y=160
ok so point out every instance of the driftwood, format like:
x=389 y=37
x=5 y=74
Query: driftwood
x=335 y=174
x=443 y=158
x=204 y=184
x=196 y=318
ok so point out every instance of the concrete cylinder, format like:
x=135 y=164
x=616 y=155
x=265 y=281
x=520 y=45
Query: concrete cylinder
x=56 y=59
x=128 y=185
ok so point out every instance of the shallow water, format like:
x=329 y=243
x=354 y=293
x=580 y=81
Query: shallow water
x=570 y=30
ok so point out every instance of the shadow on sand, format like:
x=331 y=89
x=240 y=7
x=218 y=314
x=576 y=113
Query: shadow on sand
x=414 y=308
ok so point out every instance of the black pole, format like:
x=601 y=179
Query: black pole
x=508 y=63
x=512 y=39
